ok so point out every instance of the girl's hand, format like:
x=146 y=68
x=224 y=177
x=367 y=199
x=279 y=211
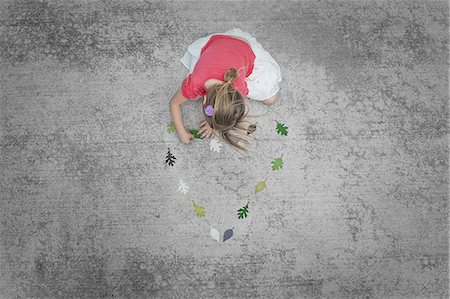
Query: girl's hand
x=186 y=137
x=206 y=131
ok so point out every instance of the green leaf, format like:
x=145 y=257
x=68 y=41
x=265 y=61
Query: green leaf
x=243 y=212
x=277 y=164
x=260 y=186
x=171 y=127
x=199 y=210
x=281 y=129
x=196 y=134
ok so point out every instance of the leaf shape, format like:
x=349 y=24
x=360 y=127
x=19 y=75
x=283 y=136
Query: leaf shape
x=214 y=233
x=215 y=145
x=260 y=186
x=170 y=159
x=277 y=164
x=199 y=210
x=183 y=187
x=281 y=129
x=171 y=127
x=196 y=134
x=243 y=212
x=228 y=234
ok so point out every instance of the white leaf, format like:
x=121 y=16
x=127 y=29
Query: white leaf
x=214 y=234
x=183 y=187
x=215 y=145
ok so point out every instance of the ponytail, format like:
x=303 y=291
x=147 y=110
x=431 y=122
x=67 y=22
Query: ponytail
x=229 y=111
x=231 y=75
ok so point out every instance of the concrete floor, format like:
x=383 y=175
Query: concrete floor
x=89 y=209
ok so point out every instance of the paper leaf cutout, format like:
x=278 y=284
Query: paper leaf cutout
x=281 y=129
x=251 y=129
x=171 y=127
x=243 y=212
x=228 y=234
x=183 y=187
x=196 y=134
x=277 y=164
x=170 y=159
x=199 y=210
x=215 y=145
x=260 y=186
x=214 y=233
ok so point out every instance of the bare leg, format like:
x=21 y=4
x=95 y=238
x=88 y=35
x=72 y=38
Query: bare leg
x=270 y=100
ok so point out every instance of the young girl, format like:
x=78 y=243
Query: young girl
x=224 y=70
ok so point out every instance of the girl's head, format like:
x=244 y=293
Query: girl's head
x=229 y=110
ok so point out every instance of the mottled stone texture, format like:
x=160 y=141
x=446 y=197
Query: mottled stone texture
x=90 y=210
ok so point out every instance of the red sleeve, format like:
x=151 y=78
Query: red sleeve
x=245 y=89
x=190 y=89
x=250 y=69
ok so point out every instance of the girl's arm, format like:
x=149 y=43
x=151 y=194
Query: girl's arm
x=175 y=110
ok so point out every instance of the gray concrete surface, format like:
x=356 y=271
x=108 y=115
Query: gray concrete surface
x=90 y=210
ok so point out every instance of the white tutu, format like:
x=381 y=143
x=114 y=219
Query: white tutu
x=264 y=80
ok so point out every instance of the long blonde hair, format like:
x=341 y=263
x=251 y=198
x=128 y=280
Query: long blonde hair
x=230 y=111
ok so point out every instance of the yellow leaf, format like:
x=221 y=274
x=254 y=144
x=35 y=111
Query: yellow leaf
x=260 y=186
x=199 y=210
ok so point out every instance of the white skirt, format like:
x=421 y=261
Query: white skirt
x=264 y=80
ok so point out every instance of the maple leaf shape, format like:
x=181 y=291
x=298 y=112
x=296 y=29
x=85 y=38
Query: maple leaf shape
x=277 y=164
x=243 y=212
x=183 y=187
x=215 y=145
x=171 y=127
x=281 y=129
x=199 y=210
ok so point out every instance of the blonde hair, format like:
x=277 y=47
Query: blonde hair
x=230 y=111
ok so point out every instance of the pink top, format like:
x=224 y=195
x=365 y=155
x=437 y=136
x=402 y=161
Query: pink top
x=218 y=55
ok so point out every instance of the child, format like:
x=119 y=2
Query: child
x=225 y=69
